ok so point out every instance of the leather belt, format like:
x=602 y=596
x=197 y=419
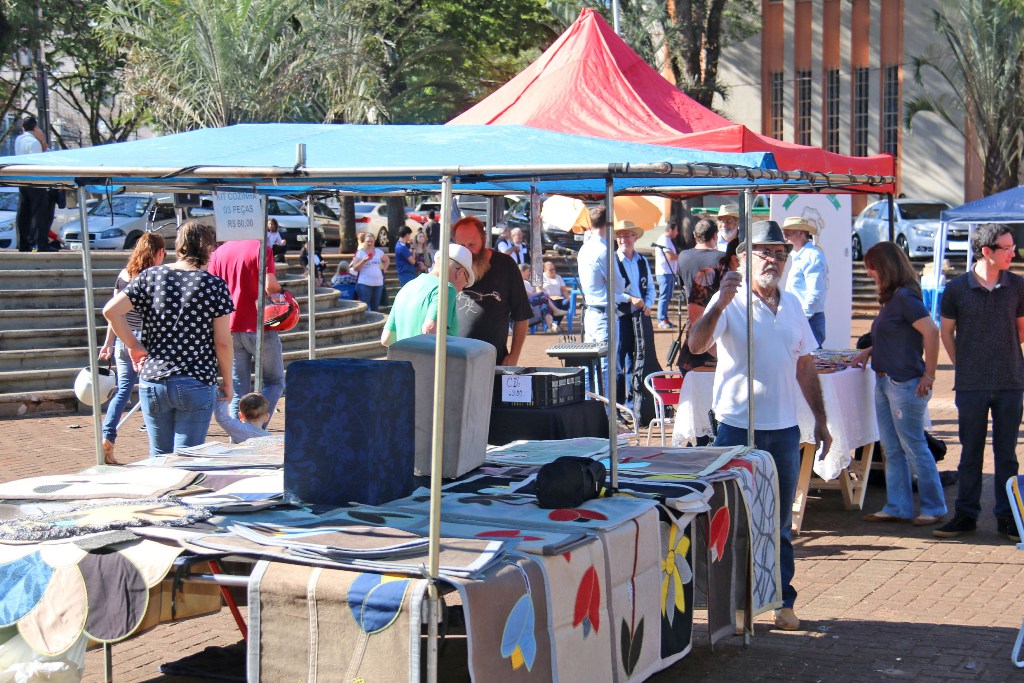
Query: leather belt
x=599 y=309
x=880 y=374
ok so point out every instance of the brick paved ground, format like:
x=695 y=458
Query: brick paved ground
x=885 y=601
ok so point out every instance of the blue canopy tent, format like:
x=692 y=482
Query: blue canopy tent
x=376 y=159
x=1003 y=207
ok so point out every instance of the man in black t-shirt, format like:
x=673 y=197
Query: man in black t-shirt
x=498 y=297
x=982 y=330
x=433 y=230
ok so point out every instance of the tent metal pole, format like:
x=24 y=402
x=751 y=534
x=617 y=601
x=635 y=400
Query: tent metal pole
x=610 y=311
x=940 y=253
x=536 y=237
x=746 y=200
x=892 y=216
x=437 y=446
x=311 y=279
x=37 y=174
x=90 y=326
x=261 y=303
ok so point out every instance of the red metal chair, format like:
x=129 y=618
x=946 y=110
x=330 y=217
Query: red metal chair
x=664 y=386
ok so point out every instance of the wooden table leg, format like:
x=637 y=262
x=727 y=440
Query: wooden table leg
x=855 y=479
x=803 y=482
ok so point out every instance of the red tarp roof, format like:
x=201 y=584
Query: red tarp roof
x=590 y=82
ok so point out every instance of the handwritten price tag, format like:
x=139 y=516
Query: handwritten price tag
x=516 y=389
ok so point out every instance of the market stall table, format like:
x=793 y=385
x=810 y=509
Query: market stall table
x=584 y=418
x=849 y=405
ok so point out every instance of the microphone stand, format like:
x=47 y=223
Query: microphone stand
x=673 y=349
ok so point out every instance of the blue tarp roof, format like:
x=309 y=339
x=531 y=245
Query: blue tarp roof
x=1003 y=207
x=396 y=157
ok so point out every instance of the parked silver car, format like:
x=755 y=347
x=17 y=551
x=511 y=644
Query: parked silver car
x=916 y=229
x=117 y=222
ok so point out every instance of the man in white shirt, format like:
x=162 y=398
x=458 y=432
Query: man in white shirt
x=783 y=370
x=517 y=248
x=34 y=211
x=808 y=272
x=728 y=225
x=666 y=260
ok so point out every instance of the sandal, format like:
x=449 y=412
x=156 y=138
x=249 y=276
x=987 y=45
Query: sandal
x=108 y=453
x=926 y=520
x=883 y=516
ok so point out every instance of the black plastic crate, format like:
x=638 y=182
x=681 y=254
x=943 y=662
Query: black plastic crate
x=548 y=386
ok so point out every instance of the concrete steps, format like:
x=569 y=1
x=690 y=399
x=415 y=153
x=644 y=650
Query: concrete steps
x=44 y=337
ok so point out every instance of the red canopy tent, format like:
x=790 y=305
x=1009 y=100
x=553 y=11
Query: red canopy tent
x=590 y=82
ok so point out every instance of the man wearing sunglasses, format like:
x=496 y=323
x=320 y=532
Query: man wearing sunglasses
x=783 y=371
x=982 y=328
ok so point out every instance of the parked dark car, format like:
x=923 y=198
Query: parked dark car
x=518 y=216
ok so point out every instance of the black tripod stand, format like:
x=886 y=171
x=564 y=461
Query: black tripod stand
x=677 y=343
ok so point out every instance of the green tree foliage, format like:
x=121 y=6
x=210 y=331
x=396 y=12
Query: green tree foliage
x=82 y=71
x=981 y=65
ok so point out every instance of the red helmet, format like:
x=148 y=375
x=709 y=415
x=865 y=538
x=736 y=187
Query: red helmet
x=281 y=314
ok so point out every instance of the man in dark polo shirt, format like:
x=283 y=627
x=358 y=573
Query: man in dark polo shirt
x=982 y=330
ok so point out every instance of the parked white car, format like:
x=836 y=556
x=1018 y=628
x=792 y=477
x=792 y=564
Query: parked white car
x=117 y=222
x=916 y=230
x=372 y=217
x=8 y=212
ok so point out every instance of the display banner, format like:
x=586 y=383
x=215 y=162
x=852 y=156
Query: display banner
x=834 y=218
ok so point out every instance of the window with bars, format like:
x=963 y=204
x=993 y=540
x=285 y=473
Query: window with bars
x=775 y=127
x=803 y=107
x=891 y=109
x=861 y=89
x=830 y=136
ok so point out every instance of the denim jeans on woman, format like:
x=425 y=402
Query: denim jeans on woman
x=126 y=380
x=901 y=430
x=177 y=411
x=784 y=447
x=370 y=295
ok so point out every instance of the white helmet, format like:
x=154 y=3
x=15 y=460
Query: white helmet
x=83 y=385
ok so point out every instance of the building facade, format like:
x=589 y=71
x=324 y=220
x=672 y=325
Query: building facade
x=836 y=74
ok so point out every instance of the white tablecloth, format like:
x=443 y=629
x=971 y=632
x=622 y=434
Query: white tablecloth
x=849 y=404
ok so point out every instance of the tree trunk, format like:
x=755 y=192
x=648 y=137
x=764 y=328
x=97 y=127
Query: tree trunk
x=347 y=219
x=1001 y=170
x=396 y=219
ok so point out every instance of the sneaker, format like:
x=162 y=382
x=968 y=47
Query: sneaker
x=665 y=325
x=786 y=619
x=960 y=524
x=1007 y=527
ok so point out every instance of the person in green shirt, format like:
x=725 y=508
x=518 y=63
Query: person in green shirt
x=414 y=311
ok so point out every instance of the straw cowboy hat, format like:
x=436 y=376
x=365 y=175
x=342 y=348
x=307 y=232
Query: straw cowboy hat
x=622 y=227
x=800 y=223
x=729 y=210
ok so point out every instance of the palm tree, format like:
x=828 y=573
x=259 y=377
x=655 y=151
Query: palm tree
x=983 y=67
x=209 y=63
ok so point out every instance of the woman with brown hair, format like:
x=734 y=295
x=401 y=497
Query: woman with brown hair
x=185 y=342
x=904 y=354
x=149 y=251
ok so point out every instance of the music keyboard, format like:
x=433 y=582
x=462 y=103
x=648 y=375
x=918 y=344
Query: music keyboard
x=578 y=350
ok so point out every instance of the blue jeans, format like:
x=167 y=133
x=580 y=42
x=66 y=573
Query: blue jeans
x=973 y=408
x=901 y=430
x=595 y=329
x=370 y=295
x=273 y=368
x=666 y=285
x=784 y=447
x=177 y=412
x=817 y=321
x=126 y=379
